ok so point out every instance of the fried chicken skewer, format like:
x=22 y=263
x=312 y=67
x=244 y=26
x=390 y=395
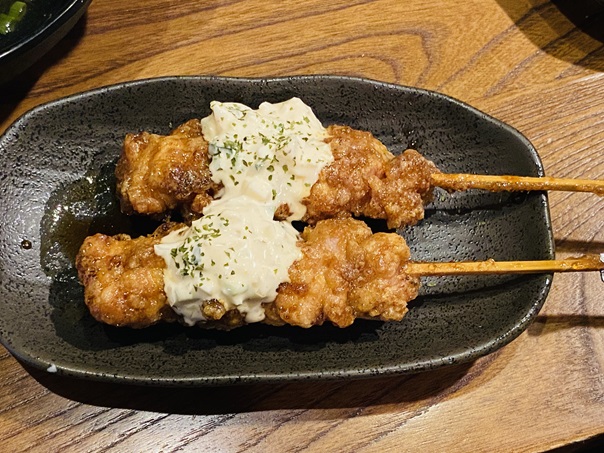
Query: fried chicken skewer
x=156 y=174
x=345 y=272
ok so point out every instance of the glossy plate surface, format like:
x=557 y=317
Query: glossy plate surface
x=56 y=178
x=44 y=24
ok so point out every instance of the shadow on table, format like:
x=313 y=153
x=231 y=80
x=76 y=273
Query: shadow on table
x=571 y=45
x=429 y=387
x=14 y=91
x=555 y=323
x=559 y=322
x=592 y=444
x=579 y=247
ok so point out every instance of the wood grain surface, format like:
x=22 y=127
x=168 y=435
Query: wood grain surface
x=534 y=64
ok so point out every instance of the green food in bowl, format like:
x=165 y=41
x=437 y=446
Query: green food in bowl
x=10 y=15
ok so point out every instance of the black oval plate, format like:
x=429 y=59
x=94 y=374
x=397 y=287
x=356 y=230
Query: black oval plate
x=56 y=177
x=45 y=23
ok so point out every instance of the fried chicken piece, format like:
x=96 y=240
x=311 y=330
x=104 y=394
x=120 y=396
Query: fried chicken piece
x=160 y=173
x=345 y=272
x=123 y=279
x=365 y=179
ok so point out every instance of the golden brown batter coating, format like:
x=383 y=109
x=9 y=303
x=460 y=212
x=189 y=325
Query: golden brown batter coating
x=345 y=272
x=123 y=279
x=160 y=173
x=365 y=179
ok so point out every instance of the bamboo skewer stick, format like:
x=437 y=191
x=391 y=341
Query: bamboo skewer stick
x=494 y=183
x=580 y=264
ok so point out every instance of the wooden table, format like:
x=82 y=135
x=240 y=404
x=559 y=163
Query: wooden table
x=524 y=62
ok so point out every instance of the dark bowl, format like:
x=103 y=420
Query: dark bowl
x=56 y=180
x=45 y=23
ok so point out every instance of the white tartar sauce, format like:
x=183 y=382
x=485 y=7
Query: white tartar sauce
x=273 y=154
x=237 y=253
